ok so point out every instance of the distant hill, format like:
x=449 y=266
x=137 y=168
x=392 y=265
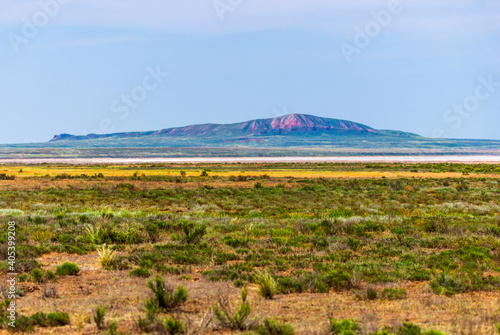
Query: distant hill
x=296 y=133
x=284 y=131
x=296 y=123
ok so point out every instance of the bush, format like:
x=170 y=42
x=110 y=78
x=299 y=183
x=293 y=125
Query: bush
x=67 y=269
x=22 y=278
x=266 y=283
x=140 y=272
x=371 y=294
x=344 y=327
x=273 y=327
x=193 y=233
x=56 y=319
x=338 y=280
x=99 y=314
x=49 y=275
x=164 y=296
x=394 y=293
x=289 y=285
x=409 y=329
x=227 y=319
x=174 y=326
x=447 y=284
x=37 y=275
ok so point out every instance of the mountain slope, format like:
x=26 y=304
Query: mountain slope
x=298 y=123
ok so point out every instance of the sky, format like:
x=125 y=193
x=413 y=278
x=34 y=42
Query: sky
x=429 y=67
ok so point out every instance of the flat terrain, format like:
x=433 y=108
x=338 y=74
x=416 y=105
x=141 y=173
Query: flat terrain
x=475 y=159
x=383 y=244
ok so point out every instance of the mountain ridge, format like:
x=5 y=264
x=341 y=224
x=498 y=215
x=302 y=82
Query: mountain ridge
x=297 y=123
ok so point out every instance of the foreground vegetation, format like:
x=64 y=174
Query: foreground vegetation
x=256 y=248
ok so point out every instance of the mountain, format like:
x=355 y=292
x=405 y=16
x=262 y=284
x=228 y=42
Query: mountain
x=296 y=123
x=295 y=132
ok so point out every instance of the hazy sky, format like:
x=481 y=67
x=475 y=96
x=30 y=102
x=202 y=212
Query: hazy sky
x=79 y=66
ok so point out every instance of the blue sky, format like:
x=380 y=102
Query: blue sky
x=80 y=66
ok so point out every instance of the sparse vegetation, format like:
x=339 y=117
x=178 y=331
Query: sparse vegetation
x=304 y=232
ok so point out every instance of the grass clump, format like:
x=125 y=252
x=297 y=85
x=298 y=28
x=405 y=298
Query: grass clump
x=106 y=256
x=273 y=327
x=266 y=283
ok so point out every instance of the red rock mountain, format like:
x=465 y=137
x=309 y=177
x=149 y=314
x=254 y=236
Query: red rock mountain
x=286 y=123
x=292 y=123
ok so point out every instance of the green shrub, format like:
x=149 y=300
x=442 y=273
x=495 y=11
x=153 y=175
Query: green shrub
x=353 y=243
x=67 y=269
x=394 y=293
x=193 y=233
x=344 y=327
x=273 y=327
x=164 y=297
x=266 y=283
x=289 y=285
x=23 y=324
x=37 y=275
x=174 y=326
x=58 y=319
x=22 y=278
x=433 y=332
x=140 y=272
x=447 y=284
x=113 y=328
x=371 y=294
x=237 y=320
x=338 y=280
x=49 y=275
x=99 y=315
x=409 y=329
